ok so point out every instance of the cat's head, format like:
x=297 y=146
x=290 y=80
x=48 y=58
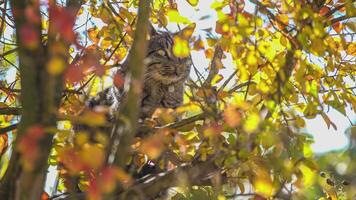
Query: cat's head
x=162 y=65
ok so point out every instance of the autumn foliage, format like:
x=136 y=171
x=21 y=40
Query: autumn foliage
x=273 y=65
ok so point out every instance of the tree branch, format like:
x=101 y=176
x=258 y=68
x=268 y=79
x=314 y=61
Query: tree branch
x=336 y=8
x=134 y=76
x=214 y=68
x=10 y=111
x=150 y=187
x=8 y=128
x=143 y=130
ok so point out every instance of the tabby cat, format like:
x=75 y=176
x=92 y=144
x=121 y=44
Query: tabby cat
x=163 y=79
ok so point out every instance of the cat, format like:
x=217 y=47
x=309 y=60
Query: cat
x=164 y=79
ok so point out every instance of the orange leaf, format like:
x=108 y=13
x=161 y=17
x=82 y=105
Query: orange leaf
x=232 y=116
x=324 y=10
x=337 y=27
x=44 y=196
x=92 y=34
x=3 y=143
x=283 y=18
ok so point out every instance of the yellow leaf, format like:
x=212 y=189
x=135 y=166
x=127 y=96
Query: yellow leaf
x=283 y=18
x=174 y=16
x=81 y=138
x=307 y=151
x=299 y=122
x=193 y=2
x=263 y=184
x=308 y=176
x=217 y=78
x=93 y=118
x=251 y=122
x=56 y=66
x=91 y=151
x=180 y=47
x=351 y=49
x=251 y=59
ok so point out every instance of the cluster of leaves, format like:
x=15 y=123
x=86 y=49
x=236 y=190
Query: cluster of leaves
x=291 y=61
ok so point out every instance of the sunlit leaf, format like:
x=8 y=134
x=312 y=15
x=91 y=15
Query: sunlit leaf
x=174 y=16
x=180 y=47
x=193 y=2
x=337 y=27
x=251 y=123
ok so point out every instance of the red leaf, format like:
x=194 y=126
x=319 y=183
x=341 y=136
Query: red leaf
x=29 y=36
x=118 y=80
x=32 y=15
x=74 y=74
x=63 y=22
x=28 y=146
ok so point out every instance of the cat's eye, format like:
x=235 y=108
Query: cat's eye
x=161 y=52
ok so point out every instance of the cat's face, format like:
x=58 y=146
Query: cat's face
x=163 y=66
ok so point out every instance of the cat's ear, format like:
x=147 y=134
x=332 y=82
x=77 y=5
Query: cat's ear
x=151 y=30
x=187 y=31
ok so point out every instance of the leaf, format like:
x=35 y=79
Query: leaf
x=217 y=78
x=193 y=2
x=351 y=49
x=180 y=47
x=93 y=34
x=118 y=80
x=328 y=121
x=3 y=143
x=283 y=18
x=251 y=59
x=45 y=196
x=187 y=127
x=263 y=184
x=251 y=122
x=308 y=176
x=324 y=10
x=90 y=151
x=241 y=186
x=93 y=118
x=56 y=66
x=232 y=116
x=300 y=122
x=337 y=27
x=174 y=16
